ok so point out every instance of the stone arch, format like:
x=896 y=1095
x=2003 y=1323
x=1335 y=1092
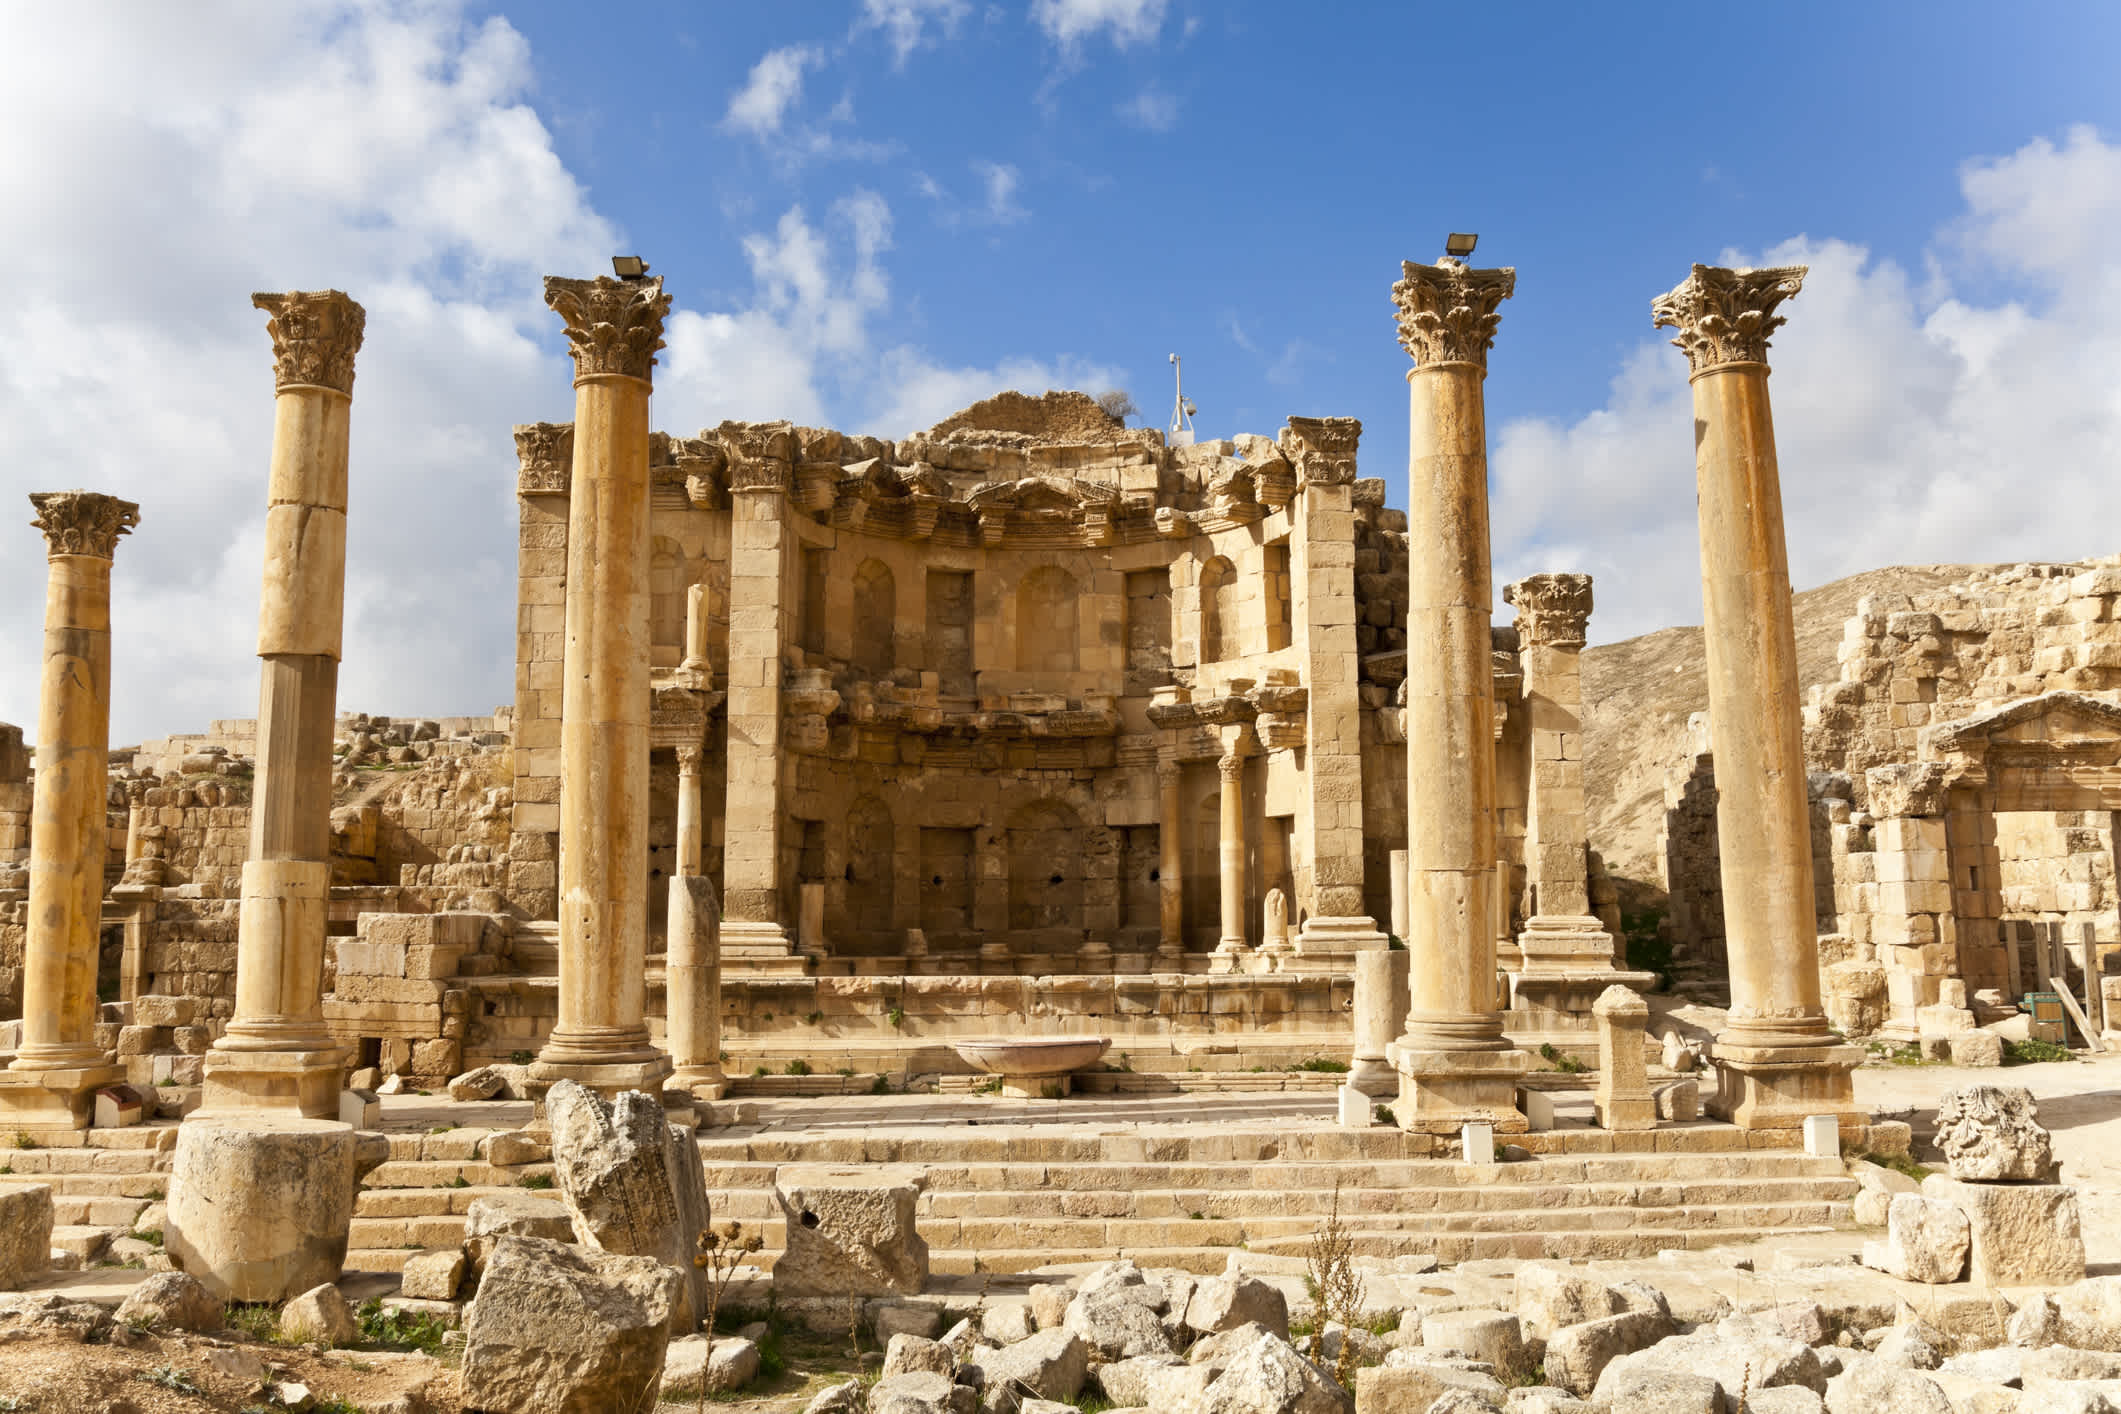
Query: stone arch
x=1045 y=839
x=1046 y=607
x=1218 y=611
x=666 y=601
x=872 y=868
x=875 y=618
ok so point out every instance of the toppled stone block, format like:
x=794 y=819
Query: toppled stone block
x=556 y=1329
x=25 y=1233
x=259 y=1208
x=1925 y=1240
x=1412 y=1386
x=920 y=1393
x=1049 y=1365
x=1992 y=1132
x=1577 y=1355
x=911 y=1317
x=481 y=1084
x=319 y=1315
x=1125 y=1383
x=1270 y=1377
x=850 y=1231
x=1226 y=1302
x=499 y=1215
x=171 y=1301
x=1494 y=1338
x=1119 y=1320
x=1005 y=1325
x=432 y=1276
x=1875 y=1387
x=906 y=1354
x=1551 y=1296
x=2019 y=1234
x=632 y=1183
x=1976 y=1049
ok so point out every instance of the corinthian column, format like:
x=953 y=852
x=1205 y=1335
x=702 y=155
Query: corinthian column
x=1453 y=1062
x=690 y=759
x=58 y=1067
x=1776 y=1060
x=276 y=1053
x=601 y=1037
x=1230 y=857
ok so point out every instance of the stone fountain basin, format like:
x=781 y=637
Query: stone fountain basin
x=1033 y=1065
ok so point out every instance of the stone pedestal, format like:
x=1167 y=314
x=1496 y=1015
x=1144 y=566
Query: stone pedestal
x=1776 y=1060
x=1452 y=1060
x=1380 y=1011
x=693 y=989
x=51 y=1083
x=1622 y=1095
x=601 y=1039
x=260 y=1204
x=277 y=1053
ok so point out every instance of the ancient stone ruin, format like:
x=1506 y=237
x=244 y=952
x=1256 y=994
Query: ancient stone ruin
x=1083 y=913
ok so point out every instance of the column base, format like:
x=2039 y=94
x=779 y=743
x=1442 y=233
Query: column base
x=304 y=1083
x=1228 y=959
x=1339 y=937
x=1625 y=1112
x=59 y=1100
x=1374 y=1076
x=260 y=1205
x=1564 y=946
x=1440 y=1090
x=702 y=1082
x=606 y=1078
x=1777 y=1087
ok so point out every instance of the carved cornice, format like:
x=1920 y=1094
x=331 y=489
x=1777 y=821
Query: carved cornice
x=615 y=326
x=1323 y=448
x=83 y=522
x=1553 y=610
x=315 y=335
x=1447 y=312
x=1725 y=316
x=544 y=458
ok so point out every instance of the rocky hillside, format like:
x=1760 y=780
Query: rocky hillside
x=1638 y=694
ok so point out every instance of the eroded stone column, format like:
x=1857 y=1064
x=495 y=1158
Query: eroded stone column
x=690 y=759
x=276 y=1053
x=693 y=988
x=1230 y=859
x=1380 y=1010
x=1776 y=1060
x=1170 y=866
x=601 y=1039
x=56 y=1070
x=1453 y=1062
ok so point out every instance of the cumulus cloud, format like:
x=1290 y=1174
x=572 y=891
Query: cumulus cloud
x=214 y=150
x=905 y=22
x=1970 y=415
x=1068 y=23
x=775 y=86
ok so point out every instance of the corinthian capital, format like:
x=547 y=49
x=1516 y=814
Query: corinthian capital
x=83 y=522
x=544 y=458
x=1725 y=316
x=615 y=325
x=1552 y=609
x=1447 y=312
x=1323 y=448
x=315 y=335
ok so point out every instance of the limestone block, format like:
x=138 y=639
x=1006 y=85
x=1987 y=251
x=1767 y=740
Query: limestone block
x=1576 y=1355
x=922 y=1393
x=517 y=1214
x=1622 y=1095
x=1926 y=1240
x=172 y=1301
x=150 y=1010
x=632 y=1182
x=1125 y=1383
x=320 y=1314
x=1050 y=1365
x=1975 y=1049
x=911 y=1318
x=1494 y=1338
x=1119 y=1321
x=556 y=1329
x=1270 y=1377
x=906 y=1353
x=1991 y=1132
x=1049 y=1304
x=1679 y=1101
x=1005 y=1325
x=25 y=1234
x=481 y=1084
x=1875 y=1387
x=432 y=1276
x=1413 y=1385
x=362 y=1109
x=1221 y=1303
x=1551 y=1296
x=259 y=1208
x=2021 y=1234
x=850 y=1231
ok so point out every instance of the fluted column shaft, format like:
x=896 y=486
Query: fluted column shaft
x=67 y=811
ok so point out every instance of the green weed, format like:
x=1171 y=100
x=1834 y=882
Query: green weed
x=391 y=1329
x=2032 y=1051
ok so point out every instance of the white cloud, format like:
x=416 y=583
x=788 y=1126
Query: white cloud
x=905 y=22
x=1915 y=423
x=211 y=151
x=775 y=86
x=1068 y=23
x=1152 y=108
x=1000 y=182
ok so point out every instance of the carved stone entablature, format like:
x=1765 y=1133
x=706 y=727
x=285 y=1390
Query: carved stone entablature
x=1323 y=449
x=1506 y=685
x=761 y=454
x=1447 y=311
x=1553 y=610
x=810 y=693
x=1725 y=316
x=544 y=458
x=1172 y=524
x=613 y=326
x=677 y=716
x=315 y=335
x=1231 y=490
x=83 y=522
x=1234 y=710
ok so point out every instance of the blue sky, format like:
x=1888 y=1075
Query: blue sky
x=872 y=213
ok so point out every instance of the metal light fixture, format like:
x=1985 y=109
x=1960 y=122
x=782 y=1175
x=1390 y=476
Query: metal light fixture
x=1458 y=245
x=632 y=267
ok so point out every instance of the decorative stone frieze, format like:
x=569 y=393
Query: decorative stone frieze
x=1725 y=316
